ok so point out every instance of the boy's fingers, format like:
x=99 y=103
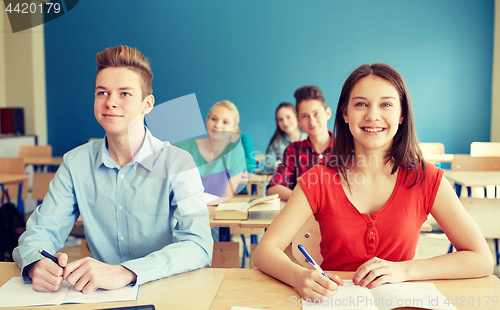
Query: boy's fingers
x=62 y=258
x=51 y=267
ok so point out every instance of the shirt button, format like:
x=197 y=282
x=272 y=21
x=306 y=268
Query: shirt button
x=371 y=233
x=374 y=216
x=371 y=241
x=320 y=155
x=122 y=176
x=120 y=207
x=121 y=238
x=371 y=247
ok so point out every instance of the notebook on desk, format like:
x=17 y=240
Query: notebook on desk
x=15 y=293
x=383 y=297
x=242 y=210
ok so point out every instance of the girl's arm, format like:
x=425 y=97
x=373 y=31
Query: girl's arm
x=271 y=259
x=472 y=259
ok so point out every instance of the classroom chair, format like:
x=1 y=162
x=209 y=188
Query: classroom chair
x=463 y=162
x=14 y=165
x=483 y=211
x=35 y=151
x=226 y=255
x=484 y=149
x=41 y=181
x=432 y=148
x=469 y=163
x=309 y=237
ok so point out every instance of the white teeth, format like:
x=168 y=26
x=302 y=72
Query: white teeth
x=373 y=129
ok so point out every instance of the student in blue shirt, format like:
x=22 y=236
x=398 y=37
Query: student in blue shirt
x=140 y=199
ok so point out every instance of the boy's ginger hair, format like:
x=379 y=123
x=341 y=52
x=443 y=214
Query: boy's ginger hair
x=131 y=58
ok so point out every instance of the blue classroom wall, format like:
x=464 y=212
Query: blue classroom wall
x=256 y=53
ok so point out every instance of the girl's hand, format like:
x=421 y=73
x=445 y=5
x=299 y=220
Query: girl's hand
x=313 y=285
x=377 y=271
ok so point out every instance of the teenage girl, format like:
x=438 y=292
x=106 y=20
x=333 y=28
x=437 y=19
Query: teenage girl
x=287 y=131
x=372 y=198
x=220 y=156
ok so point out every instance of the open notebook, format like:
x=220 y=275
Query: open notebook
x=15 y=293
x=383 y=297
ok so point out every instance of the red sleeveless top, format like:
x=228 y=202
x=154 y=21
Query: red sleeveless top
x=350 y=238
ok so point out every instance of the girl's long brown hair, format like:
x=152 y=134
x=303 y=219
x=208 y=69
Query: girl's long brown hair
x=405 y=150
x=279 y=134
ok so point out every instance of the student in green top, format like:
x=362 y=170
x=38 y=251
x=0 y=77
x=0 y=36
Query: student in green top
x=220 y=157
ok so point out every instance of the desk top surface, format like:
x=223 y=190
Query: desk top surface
x=50 y=161
x=221 y=289
x=442 y=158
x=473 y=178
x=11 y=178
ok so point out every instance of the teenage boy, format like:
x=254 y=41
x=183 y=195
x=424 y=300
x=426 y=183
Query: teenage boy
x=313 y=115
x=140 y=199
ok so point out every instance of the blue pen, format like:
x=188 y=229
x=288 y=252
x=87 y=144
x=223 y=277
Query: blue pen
x=311 y=260
x=46 y=254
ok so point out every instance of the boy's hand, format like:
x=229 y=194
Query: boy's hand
x=88 y=275
x=313 y=285
x=46 y=275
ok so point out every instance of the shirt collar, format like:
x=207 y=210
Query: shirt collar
x=149 y=145
x=328 y=149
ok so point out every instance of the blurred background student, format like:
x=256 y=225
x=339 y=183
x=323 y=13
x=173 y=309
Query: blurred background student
x=287 y=131
x=300 y=156
x=220 y=156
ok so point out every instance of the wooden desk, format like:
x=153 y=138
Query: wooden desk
x=252 y=288
x=472 y=179
x=221 y=289
x=22 y=180
x=43 y=161
x=13 y=178
x=192 y=290
x=260 y=157
x=438 y=158
x=258 y=180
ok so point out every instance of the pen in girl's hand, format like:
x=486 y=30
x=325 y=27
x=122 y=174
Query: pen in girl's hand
x=46 y=254
x=311 y=260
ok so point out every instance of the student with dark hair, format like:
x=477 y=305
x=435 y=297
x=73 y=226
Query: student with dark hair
x=287 y=131
x=140 y=199
x=299 y=157
x=372 y=198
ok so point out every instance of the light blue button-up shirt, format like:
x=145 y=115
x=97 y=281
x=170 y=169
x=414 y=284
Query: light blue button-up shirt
x=149 y=215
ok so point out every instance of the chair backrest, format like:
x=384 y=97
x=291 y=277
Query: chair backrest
x=41 y=181
x=309 y=236
x=468 y=163
x=35 y=151
x=484 y=211
x=13 y=165
x=478 y=149
x=432 y=148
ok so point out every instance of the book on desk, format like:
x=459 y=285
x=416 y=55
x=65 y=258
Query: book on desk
x=262 y=207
